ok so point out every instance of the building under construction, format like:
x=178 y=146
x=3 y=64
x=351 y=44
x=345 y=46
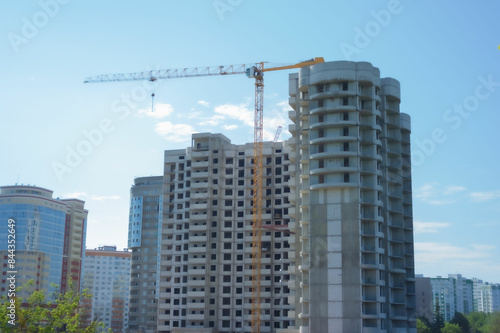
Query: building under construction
x=206 y=237
x=337 y=231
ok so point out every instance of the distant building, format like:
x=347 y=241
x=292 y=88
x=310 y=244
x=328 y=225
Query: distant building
x=145 y=219
x=454 y=294
x=49 y=237
x=488 y=297
x=107 y=278
x=423 y=295
x=476 y=293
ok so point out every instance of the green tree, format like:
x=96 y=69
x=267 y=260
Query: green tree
x=36 y=315
x=422 y=327
x=438 y=322
x=477 y=321
x=451 y=328
x=493 y=323
x=461 y=321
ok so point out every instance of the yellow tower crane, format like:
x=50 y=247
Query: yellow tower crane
x=255 y=71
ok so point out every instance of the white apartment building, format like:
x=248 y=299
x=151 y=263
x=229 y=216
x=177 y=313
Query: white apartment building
x=454 y=294
x=488 y=297
x=107 y=278
x=354 y=265
x=205 y=266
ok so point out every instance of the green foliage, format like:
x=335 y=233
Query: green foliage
x=422 y=327
x=493 y=323
x=461 y=321
x=451 y=328
x=36 y=315
x=477 y=321
x=438 y=322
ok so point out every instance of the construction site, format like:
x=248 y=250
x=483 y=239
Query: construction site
x=313 y=234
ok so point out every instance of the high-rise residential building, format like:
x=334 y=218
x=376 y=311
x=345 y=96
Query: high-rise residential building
x=454 y=294
x=107 y=278
x=206 y=237
x=476 y=293
x=49 y=237
x=144 y=240
x=354 y=270
x=488 y=297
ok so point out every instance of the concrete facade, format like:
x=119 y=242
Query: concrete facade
x=107 y=278
x=354 y=265
x=145 y=218
x=205 y=276
x=423 y=292
x=49 y=237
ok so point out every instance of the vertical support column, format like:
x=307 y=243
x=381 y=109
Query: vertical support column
x=257 y=199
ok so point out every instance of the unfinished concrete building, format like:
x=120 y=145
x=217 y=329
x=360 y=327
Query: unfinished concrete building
x=205 y=276
x=354 y=267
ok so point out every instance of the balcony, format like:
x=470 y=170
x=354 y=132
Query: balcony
x=199 y=185
x=196 y=294
x=199 y=227
x=198 y=217
x=199 y=174
x=198 y=239
x=199 y=206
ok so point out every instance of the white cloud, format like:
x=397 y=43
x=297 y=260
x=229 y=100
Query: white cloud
x=424 y=192
x=284 y=106
x=276 y=116
x=105 y=197
x=174 y=132
x=439 y=253
x=454 y=189
x=483 y=247
x=75 y=195
x=239 y=112
x=484 y=196
x=230 y=127
x=429 y=227
x=160 y=111
x=433 y=258
x=204 y=103
x=435 y=194
x=212 y=121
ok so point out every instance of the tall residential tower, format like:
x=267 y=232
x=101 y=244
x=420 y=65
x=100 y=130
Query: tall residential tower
x=143 y=239
x=206 y=246
x=351 y=150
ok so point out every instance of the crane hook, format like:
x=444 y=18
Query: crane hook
x=152 y=102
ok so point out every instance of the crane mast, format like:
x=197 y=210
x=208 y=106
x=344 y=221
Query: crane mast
x=255 y=71
x=257 y=197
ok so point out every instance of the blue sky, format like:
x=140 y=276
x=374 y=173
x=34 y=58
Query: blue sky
x=446 y=56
